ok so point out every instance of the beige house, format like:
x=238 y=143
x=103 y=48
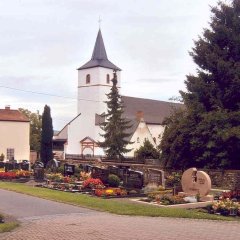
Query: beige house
x=14 y=135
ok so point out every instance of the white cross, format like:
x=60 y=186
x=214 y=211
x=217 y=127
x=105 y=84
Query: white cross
x=99 y=21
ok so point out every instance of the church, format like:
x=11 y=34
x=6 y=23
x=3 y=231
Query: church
x=81 y=135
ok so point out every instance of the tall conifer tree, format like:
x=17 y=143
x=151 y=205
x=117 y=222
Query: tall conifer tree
x=47 y=135
x=207 y=134
x=115 y=126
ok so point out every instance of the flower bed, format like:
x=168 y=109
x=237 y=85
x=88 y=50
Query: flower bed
x=110 y=192
x=93 y=183
x=14 y=175
x=225 y=207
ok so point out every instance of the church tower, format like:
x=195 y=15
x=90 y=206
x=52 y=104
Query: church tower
x=94 y=81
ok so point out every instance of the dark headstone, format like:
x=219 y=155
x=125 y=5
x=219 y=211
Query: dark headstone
x=113 y=170
x=9 y=167
x=38 y=171
x=69 y=169
x=52 y=164
x=24 y=166
x=122 y=171
x=88 y=168
x=133 y=179
x=100 y=173
x=17 y=166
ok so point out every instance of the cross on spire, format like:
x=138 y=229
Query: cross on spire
x=99 y=21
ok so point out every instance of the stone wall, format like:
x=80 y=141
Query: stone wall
x=229 y=179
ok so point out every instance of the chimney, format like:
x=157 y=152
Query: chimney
x=7 y=107
x=139 y=115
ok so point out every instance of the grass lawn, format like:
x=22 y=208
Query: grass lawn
x=109 y=205
x=9 y=225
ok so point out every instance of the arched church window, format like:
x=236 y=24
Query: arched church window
x=108 y=78
x=138 y=140
x=88 y=79
x=154 y=139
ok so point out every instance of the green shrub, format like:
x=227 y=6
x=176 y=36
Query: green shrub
x=60 y=169
x=113 y=180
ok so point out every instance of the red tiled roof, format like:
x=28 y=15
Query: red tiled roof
x=12 y=115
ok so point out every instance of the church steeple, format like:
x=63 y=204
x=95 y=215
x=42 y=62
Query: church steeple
x=99 y=56
x=99 y=51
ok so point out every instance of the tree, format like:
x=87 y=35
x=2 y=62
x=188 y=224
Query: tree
x=207 y=133
x=115 y=126
x=147 y=151
x=35 y=128
x=47 y=135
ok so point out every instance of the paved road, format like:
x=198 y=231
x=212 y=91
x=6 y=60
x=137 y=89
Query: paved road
x=42 y=219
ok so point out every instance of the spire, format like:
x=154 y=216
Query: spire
x=99 y=51
x=99 y=56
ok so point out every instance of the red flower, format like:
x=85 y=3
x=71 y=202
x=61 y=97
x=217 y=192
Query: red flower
x=93 y=183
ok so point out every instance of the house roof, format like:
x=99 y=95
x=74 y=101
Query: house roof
x=154 y=111
x=99 y=56
x=8 y=114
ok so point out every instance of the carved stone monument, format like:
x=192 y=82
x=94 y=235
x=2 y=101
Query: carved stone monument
x=155 y=176
x=196 y=182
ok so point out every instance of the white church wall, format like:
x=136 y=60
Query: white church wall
x=142 y=132
x=91 y=96
x=156 y=131
x=78 y=129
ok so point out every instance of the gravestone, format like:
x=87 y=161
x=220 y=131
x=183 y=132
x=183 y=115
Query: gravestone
x=69 y=169
x=17 y=166
x=24 y=166
x=113 y=170
x=38 y=171
x=100 y=173
x=86 y=167
x=133 y=179
x=122 y=171
x=53 y=165
x=196 y=182
x=2 y=164
x=8 y=167
x=154 y=176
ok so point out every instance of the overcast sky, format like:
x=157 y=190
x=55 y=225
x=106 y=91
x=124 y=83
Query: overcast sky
x=43 y=42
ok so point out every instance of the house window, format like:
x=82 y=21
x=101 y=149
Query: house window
x=88 y=79
x=10 y=153
x=108 y=78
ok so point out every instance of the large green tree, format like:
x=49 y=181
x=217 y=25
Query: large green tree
x=115 y=126
x=35 y=128
x=207 y=132
x=47 y=135
x=147 y=151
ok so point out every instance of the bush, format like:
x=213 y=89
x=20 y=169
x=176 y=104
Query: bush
x=113 y=180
